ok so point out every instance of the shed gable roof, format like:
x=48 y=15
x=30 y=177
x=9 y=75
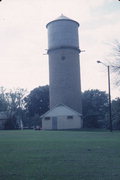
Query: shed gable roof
x=61 y=110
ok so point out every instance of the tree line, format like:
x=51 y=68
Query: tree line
x=24 y=111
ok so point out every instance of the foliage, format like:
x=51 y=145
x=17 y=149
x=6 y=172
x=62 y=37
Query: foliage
x=26 y=111
x=37 y=102
x=115 y=62
x=116 y=113
x=13 y=103
x=3 y=102
x=95 y=106
x=11 y=123
x=54 y=155
x=15 y=99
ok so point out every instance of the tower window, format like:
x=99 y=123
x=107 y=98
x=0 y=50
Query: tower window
x=47 y=118
x=63 y=58
x=69 y=117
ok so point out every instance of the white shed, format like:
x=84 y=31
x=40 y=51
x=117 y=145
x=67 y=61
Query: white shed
x=61 y=117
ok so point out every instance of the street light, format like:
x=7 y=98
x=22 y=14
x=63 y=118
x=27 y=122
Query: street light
x=109 y=92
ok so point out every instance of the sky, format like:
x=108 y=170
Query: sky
x=23 y=40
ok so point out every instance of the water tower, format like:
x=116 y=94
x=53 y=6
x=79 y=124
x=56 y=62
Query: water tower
x=64 y=65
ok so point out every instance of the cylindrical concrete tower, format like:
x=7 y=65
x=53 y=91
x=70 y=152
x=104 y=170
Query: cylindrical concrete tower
x=64 y=66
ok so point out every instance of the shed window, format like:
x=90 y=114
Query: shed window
x=63 y=58
x=69 y=117
x=47 y=118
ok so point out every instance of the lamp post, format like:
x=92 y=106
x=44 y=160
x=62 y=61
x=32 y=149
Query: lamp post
x=109 y=92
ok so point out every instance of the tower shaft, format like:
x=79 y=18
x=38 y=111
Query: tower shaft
x=64 y=66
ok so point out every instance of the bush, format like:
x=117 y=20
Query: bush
x=11 y=124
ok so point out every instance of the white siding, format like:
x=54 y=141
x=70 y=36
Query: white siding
x=63 y=123
x=47 y=124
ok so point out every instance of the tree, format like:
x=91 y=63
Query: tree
x=115 y=62
x=3 y=102
x=11 y=123
x=95 y=106
x=116 y=113
x=37 y=102
x=15 y=99
x=16 y=104
x=12 y=103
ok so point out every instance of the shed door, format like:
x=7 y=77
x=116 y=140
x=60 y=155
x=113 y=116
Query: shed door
x=54 y=123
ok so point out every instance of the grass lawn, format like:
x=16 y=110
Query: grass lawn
x=59 y=155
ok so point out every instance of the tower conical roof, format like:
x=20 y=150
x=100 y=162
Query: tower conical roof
x=62 y=17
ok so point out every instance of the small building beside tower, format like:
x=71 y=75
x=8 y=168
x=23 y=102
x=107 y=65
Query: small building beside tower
x=60 y=118
x=64 y=75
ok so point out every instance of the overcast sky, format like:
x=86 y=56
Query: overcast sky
x=23 y=40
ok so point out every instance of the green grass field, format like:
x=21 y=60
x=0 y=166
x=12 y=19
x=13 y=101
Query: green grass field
x=59 y=155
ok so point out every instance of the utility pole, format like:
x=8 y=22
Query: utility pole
x=109 y=93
